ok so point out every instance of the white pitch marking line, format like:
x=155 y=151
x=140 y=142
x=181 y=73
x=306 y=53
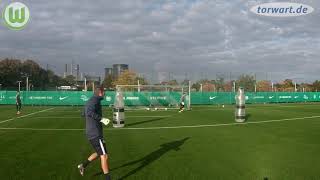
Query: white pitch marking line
x=26 y=115
x=41 y=129
x=57 y=117
x=173 y=127
x=224 y=124
x=75 y=117
x=150 y=116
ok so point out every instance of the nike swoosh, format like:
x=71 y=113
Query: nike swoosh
x=212 y=97
x=84 y=98
x=62 y=98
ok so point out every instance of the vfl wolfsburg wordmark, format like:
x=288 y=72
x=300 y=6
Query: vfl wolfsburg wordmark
x=16 y=15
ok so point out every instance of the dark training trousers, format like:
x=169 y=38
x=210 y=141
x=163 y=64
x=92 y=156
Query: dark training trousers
x=18 y=106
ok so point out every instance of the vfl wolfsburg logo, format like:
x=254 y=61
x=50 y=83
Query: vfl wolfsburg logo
x=16 y=15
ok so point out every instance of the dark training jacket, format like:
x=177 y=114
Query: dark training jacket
x=93 y=114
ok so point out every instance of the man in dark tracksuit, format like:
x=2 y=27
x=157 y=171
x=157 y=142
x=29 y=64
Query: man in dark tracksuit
x=94 y=132
x=18 y=102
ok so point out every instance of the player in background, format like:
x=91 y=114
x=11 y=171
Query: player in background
x=182 y=99
x=18 y=102
x=94 y=131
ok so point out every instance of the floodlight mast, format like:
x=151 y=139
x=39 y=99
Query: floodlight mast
x=85 y=84
x=27 y=83
x=19 y=85
x=189 y=100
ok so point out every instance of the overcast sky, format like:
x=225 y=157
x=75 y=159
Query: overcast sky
x=183 y=38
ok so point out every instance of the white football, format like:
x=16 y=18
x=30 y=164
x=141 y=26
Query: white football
x=105 y=121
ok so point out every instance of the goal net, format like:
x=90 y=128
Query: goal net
x=155 y=97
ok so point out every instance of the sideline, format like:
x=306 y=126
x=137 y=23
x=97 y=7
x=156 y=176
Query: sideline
x=25 y=115
x=171 y=127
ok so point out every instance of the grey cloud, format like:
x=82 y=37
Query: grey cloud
x=193 y=38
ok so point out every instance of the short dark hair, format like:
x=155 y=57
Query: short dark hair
x=98 y=89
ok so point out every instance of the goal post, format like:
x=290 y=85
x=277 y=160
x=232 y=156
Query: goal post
x=155 y=97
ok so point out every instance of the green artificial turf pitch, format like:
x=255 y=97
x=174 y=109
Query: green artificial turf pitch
x=278 y=142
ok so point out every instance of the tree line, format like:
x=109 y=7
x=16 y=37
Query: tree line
x=250 y=84
x=14 y=70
